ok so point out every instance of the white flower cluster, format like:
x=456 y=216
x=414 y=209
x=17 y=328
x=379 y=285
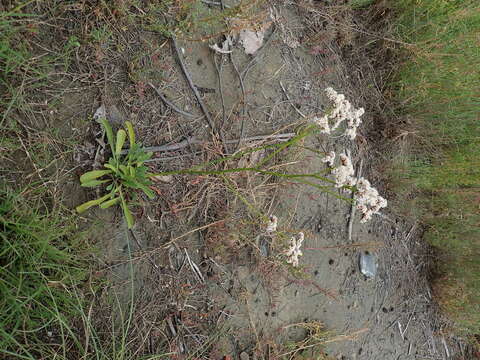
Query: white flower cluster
x=368 y=200
x=342 y=110
x=322 y=123
x=272 y=224
x=344 y=174
x=329 y=158
x=293 y=252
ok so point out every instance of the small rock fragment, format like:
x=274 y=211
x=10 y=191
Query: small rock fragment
x=251 y=40
x=100 y=113
x=368 y=265
x=164 y=178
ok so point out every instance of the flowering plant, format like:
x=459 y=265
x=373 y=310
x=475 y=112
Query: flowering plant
x=129 y=172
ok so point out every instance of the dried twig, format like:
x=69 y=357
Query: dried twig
x=353 y=208
x=244 y=110
x=215 y=3
x=192 y=85
x=290 y=101
x=194 y=141
x=447 y=353
x=168 y=103
x=400 y=330
x=220 y=85
x=220 y=89
x=195 y=268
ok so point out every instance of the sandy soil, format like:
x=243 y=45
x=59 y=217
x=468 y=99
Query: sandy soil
x=243 y=302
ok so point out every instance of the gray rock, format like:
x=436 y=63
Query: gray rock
x=368 y=264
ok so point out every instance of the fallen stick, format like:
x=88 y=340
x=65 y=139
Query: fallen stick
x=290 y=101
x=195 y=268
x=215 y=3
x=447 y=353
x=218 y=67
x=353 y=208
x=192 y=85
x=194 y=141
x=370 y=244
x=169 y=104
x=244 y=110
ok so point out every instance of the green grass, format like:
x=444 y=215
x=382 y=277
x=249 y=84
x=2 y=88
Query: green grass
x=45 y=312
x=43 y=302
x=37 y=274
x=360 y=4
x=439 y=85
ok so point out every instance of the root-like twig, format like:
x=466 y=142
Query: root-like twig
x=169 y=104
x=244 y=103
x=192 y=85
x=290 y=101
x=194 y=141
x=353 y=208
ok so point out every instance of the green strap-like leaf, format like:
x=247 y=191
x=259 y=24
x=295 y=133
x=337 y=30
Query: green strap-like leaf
x=109 y=131
x=93 y=183
x=109 y=203
x=121 y=136
x=149 y=192
x=127 y=213
x=89 y=204
x=131 y=133
x=92 y=175
x=111 y=167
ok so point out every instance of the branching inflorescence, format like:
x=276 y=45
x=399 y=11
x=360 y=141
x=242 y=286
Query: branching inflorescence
x=341 y=111
x=368 y=200
x=293 y=251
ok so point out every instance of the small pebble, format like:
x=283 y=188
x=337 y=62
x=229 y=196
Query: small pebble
x=164 y=178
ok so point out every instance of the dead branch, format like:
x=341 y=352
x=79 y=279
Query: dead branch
x=168 y=103
x=194 y=141
x=353 y=208
x=192 y=85
x=290 y=101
